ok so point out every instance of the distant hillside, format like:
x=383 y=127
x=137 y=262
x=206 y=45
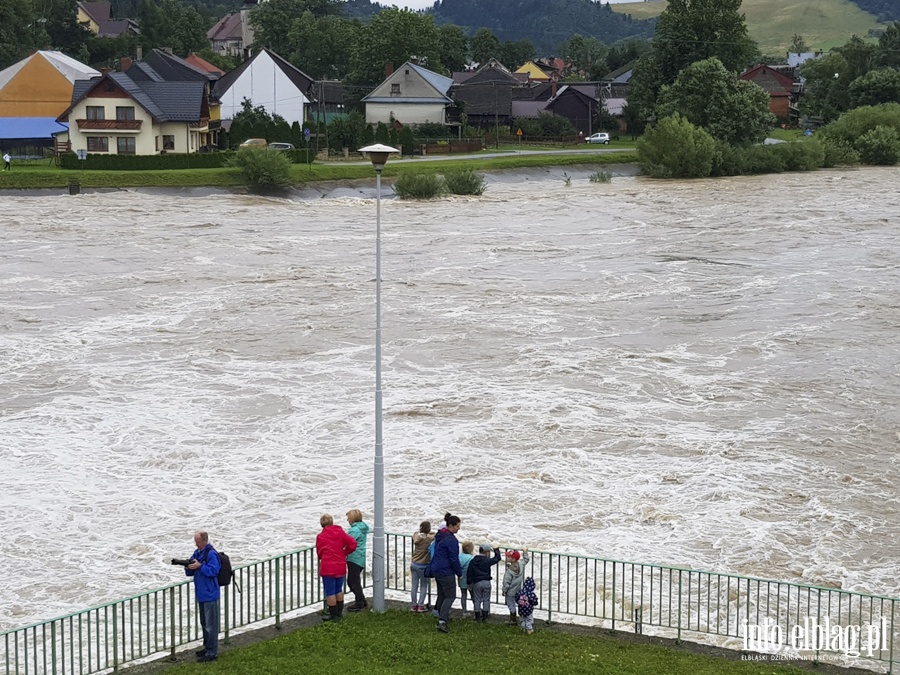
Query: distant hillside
x=546 y=23
x=772 y=23
x=884 y=10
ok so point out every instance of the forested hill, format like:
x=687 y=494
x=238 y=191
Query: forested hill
x=884 y=10
x=545 y=22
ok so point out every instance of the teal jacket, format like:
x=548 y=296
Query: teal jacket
x=359 y=531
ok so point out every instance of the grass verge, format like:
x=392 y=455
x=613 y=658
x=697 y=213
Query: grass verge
x=43 y=176
x=398 y=642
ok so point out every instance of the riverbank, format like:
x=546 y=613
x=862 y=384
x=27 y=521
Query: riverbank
x=43 y=177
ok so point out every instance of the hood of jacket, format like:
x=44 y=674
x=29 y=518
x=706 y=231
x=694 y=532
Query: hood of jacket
x=359 y=528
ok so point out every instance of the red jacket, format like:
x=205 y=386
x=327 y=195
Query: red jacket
x=332 y=547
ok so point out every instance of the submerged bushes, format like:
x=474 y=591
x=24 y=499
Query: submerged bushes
x=263 y=168
x=431 y=185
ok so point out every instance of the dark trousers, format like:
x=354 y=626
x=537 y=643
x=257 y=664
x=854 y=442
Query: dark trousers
x=446 y=594
x=354 y=582
x=209 y=622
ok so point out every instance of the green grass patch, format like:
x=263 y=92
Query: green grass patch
x=398 y=642
x=788 y=134
x=773 y=23
x=44 y=176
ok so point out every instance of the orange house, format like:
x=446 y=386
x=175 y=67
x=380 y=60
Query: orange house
x=40 y=85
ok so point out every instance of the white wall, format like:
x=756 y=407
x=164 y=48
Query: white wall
x=266 y=85
x=405 y=113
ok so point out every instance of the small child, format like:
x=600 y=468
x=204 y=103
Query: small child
x=465 y=558
x=513 y=579
x=478 y=578
x=526 y=601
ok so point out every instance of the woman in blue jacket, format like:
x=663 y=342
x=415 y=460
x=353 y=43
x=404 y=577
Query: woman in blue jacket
x=446 y=569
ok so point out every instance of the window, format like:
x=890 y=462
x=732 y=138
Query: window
x=125 y=145
x=395 y=88
x=168 y=142
x=96 y=112
x=98 y=144
x=124 y=112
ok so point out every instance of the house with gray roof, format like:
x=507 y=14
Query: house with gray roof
x=410 y=95
x=117 y=114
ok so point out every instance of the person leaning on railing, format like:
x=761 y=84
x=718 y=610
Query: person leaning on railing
x=420 y=559
x=332 y=547
x=478 y=578
x=356 y=561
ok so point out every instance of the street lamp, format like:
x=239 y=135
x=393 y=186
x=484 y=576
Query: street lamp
x=378 y=153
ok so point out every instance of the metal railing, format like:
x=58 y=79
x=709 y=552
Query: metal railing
x=756 y=615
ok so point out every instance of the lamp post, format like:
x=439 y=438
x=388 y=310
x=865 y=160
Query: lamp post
x=378 y=154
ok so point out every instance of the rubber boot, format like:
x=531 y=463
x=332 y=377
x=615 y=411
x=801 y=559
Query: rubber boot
x=477 y=616
x=340 y=608
x=512 y=619
x=333 y=614
x=485 y=616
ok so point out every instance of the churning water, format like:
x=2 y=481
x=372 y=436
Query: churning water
x=699 y=373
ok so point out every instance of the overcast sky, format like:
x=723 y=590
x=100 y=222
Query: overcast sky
x=427 y=4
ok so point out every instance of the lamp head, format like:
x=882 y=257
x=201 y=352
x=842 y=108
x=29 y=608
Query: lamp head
x=378 y=154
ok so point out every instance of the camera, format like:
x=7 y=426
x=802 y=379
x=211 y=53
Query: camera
x=182 y=562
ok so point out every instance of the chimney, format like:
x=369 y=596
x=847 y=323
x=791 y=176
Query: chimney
x=105 y=70
x=125 y=64
x=553 y=88
x=139 y=53
x=388 y=69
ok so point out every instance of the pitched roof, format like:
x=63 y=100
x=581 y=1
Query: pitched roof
x=199 y=62
x=440 y=83
x=301 y=80
x=165 y=101
x=226 y=28
x=68 y=67
x=620 y=75
x=528 y=108
x=769 y=79
x=100 y=13
x=175 y=69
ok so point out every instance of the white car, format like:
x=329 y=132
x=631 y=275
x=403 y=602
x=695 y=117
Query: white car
x=599 y=137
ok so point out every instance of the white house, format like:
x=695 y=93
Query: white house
x=411 y=95
x=269 y=81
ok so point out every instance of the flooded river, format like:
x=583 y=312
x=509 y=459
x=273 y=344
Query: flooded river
x=694 y=373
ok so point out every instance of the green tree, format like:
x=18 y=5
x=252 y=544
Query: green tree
x=381 y=134
x=732 y=110
x=860 y=56
x=690 y=31
x=62 y=29
x=634 y=120
x=454 y=47
x=273 y=19
x=888 y=54
x=515 y=53
x=827 y=90
x=394 y=36
x=485 y=46
x=880 y=146
x=876 y=86
x=321 y=46
x=798 y=45
x=16 y=31
x=407 y=141
x=587 y=56
x=675 y=148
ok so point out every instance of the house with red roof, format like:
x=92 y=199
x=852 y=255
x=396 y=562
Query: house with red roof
x=778 y=86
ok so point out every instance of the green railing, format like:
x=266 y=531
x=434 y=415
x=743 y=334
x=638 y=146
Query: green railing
x=757 y=615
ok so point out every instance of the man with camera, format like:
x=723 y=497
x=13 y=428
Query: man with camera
x=204 y=566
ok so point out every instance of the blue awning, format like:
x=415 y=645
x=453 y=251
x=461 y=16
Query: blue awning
x=29 y=128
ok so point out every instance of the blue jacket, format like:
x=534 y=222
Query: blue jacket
x=206 y=579
x=445 y=561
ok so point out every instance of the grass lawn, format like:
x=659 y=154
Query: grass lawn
x=772 y=23
x=400 y=642
x=31 y=176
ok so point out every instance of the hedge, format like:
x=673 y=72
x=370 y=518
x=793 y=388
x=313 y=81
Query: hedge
x=113 y=162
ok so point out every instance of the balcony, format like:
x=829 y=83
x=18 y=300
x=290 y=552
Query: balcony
x=113 y=125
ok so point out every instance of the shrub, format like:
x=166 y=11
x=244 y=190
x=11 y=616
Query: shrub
x=838 y=153
x=407 y=141
x=728 y=160
x=859 y=121
x=880 y=146
x=464 y=182
x=419 y=186
x=763 y=159
x=675 y=148
x=601 y=176
x=801 y=155
x=263 y=168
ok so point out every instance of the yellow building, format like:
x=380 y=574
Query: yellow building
x=534 y=72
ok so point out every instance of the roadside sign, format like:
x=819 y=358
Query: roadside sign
x=306 y=134
x=519 y=132
x=82 y=154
